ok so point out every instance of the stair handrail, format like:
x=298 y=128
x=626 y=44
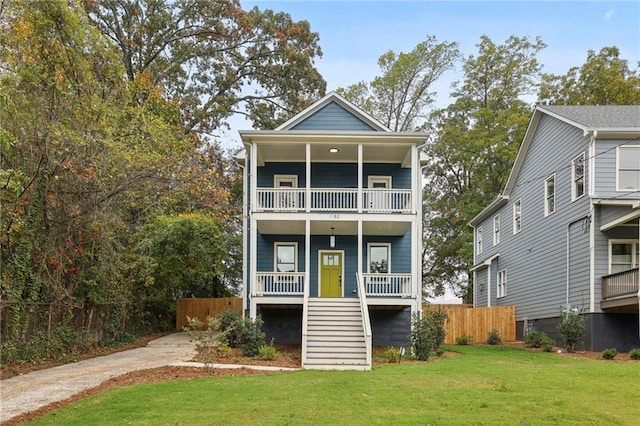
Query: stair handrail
x=366 y=322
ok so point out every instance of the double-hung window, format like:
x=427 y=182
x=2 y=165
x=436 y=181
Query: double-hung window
x=577 y=177
x=379 y=258
x=517 y=216
x=623 y=256
x=496 y=230
x=479 y=240
x=286 y=256
x=550 y=195
x=628 y=168
x=502 y=283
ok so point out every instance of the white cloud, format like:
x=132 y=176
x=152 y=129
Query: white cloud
x=609 y=14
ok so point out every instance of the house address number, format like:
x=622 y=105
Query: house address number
x=334 y=216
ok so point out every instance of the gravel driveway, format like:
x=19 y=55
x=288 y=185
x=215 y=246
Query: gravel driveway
x=21 y=394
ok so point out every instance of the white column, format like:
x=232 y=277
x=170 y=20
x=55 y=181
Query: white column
x=307 y=258
x=359 y=268
x=360 y=178
x=307 y=201
x=245 y=234
x=415 y=179
x=253 y=253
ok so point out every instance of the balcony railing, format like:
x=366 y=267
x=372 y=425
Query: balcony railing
x=333 y=200
x=621 y=284
x=396 y=285
x=279 y=283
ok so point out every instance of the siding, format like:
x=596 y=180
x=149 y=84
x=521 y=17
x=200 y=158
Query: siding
x=535 y=258
x=400 y=255
x=605 y=177
x=334 y=175
x=332 y=117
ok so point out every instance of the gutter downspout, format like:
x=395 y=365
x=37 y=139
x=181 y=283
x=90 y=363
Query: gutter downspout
x=569 y=251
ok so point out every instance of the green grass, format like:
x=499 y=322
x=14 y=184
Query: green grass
x=485 y=385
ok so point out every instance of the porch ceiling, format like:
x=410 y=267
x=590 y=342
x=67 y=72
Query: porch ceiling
x=295 y=227
x=347 y=153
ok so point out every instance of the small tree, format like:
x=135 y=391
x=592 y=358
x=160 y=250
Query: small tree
x=427 y=333
x=571 y=328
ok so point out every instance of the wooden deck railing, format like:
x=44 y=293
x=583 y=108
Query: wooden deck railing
x=333 y=200
x=620 y=284
x=395 y=285
x=279 y=283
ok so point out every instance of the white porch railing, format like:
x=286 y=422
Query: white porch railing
x=333 y=200
x=387 y=200
x=279 y=283
x=366 y=322
x=397 y=285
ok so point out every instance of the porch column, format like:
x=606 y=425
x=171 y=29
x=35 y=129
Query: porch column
x=359 y=180
x=415 y=180
x=307 y=258
x=253 y=229
x=307 y=197
x=359 y=268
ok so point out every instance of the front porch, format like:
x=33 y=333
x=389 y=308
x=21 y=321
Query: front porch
x=620 y=291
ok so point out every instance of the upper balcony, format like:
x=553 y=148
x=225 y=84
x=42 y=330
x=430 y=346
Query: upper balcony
x=620 y=290
x=333 y=200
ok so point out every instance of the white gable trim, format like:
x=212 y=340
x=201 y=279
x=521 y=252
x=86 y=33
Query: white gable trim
x=333 y=97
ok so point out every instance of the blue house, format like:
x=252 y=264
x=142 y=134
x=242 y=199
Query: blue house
x=332 y=233
x=565 y=230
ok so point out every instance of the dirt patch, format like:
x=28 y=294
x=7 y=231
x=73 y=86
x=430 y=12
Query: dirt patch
x=289 y=356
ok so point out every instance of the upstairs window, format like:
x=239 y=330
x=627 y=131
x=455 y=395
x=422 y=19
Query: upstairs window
x=286 y=257
x=623 y=256
x=517 y=216
x=628 y=168
x=479 y=240
x=550 y=195
x=496 y=230
x=577 y=177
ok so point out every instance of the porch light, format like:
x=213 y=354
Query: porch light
x=333 y=151
x=332 y=239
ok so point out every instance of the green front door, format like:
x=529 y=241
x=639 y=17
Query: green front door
x=331 y=274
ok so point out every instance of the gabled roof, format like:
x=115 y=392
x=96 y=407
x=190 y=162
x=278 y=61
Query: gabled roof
x=598 y=120
x=342 y=102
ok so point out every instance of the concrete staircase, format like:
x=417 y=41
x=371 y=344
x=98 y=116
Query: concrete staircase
x=335 y=335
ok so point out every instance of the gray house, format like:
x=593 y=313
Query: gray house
x=332 y=233
x=565 y=230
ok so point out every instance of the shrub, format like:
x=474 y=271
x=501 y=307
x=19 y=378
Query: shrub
x=609 y=353
x=427 y=333
x=392 y=354
x=464 y=340
x=268 y=352
x=571 y=328
x=493 y=338
x=635 y=354
x=224 y=350
x=231 y=327
x=251 y=337
x=538 y=339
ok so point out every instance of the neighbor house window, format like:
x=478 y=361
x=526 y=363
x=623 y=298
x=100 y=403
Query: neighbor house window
x=577 y=177
x=623 y=256
x=550 y=195
x=517 y=216
x=628 y=168
x=496 y=230
x=379 y=256
x=286 y=255
x=502 y=283
x=479 y=240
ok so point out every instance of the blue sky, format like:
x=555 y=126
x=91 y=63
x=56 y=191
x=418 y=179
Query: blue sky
x=353 y=34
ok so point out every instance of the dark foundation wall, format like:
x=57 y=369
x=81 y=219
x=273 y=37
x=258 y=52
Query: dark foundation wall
x=390 y=327
x=602 y=331
x=284 y=325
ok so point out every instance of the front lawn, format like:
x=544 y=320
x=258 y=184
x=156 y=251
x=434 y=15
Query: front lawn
x=483 y=385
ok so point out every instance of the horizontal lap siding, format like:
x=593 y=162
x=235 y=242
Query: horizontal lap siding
x=400 y=252
x=536 y=259
x=606 y=169
x=400 y=177
x=334 y=175
x=480 y=287
x=332 y=117
x=267 y=172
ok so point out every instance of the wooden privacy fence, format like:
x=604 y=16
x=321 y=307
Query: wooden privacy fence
x=477 y=322
x=203 y=308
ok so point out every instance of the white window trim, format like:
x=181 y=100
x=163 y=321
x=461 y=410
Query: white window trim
x=369 y=245
x=573 y=176
x=547 y=195
x=517 y=202
x=374 y=179
x=634 y=249
x=285 y=178
x=501 y=284
x=618 y=149
x=479 y=239
x=496 y=230
x=275 y=254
